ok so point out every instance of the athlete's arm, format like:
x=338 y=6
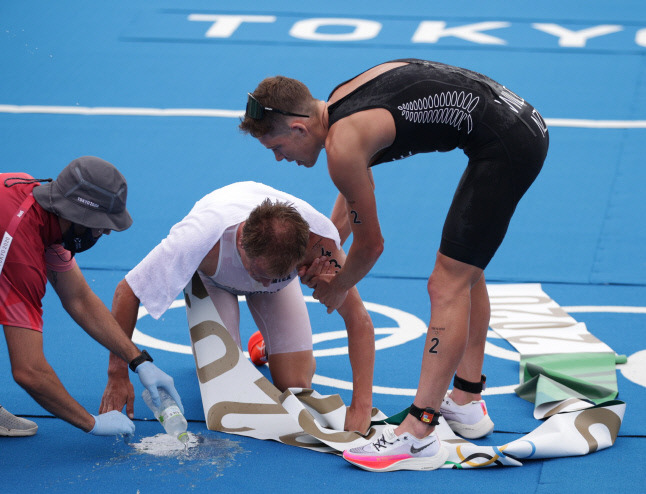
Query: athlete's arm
x=324 y=258
x=340 y=219
x=349 y=147
x=361 y=349
x=367 y=241
x=119 y=391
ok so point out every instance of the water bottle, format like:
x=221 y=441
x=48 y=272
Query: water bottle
x=169 y=415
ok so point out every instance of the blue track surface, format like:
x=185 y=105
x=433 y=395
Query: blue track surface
x=579 y=231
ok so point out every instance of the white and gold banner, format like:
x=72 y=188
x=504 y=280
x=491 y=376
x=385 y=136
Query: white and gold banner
x=238 y=399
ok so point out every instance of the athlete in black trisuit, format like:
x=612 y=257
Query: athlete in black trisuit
x=389 y=112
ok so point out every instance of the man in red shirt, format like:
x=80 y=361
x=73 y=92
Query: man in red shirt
x=42 y=227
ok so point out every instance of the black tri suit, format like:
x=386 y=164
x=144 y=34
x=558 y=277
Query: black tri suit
x=438 y=107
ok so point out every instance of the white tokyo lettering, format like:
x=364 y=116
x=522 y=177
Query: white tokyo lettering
x=309 y=29
x=576 y=39
x=432 y=31
x=87 y=202
x=223 y=26
x=640 y=37
x=427 y=31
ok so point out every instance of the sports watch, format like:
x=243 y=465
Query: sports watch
x=427 y=415
x=140 y=359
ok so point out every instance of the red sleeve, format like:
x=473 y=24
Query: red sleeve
x=58 y=259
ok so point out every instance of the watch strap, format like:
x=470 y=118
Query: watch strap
x=427 y=415
x=140 y=359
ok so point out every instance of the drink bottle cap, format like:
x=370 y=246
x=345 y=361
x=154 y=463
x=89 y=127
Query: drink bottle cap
x=183 y=438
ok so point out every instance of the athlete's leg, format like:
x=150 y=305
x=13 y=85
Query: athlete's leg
x=226 y=305
x=283 y=320
x=470 y=366
x=292 y=369
x=449 y=289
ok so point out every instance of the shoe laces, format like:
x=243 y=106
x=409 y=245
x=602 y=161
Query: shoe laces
x=383 y=443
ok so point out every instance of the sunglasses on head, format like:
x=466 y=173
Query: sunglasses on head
x=257 y=111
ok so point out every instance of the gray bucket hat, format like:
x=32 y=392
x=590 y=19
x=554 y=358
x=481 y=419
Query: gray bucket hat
x=89 y=192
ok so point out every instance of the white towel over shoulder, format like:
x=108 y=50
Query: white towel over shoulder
x=165 y=271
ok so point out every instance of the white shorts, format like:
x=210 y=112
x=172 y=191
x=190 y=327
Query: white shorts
x=281 y=317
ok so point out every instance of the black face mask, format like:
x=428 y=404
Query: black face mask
x=78 y=242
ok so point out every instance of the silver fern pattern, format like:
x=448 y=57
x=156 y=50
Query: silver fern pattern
x=449 y=107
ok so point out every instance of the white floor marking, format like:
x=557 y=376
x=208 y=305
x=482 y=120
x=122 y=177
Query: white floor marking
x=207 y=112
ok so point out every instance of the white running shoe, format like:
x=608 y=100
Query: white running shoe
x=470 y=421
x=392 y=452
x=13 y=426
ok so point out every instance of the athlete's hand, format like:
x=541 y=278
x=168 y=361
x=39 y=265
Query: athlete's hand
x=325 y=293
x=320 y=265
x=118 y=392
x=357 y=419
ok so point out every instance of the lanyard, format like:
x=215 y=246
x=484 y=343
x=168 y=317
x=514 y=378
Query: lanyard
x=13 y=225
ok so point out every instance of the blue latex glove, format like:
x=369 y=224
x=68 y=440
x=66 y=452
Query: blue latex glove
x=112 y=424
x=152 y=377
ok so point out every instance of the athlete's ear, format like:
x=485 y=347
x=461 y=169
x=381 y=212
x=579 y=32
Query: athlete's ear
x=299 y=128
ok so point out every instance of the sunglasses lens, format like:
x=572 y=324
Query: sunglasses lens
x=254 y=109
x=257 y=111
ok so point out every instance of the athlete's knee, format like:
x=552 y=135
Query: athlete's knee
x=292 y=370
x=297 y=380
x=438 y=289
x=451 y=279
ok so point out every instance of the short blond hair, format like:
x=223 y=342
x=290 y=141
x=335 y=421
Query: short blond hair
x=276 y=232
x=278 y=92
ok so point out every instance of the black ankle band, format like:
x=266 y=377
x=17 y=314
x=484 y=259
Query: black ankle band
x=469 y=387
x=427 y=415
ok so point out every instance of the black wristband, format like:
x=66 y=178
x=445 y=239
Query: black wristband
x=469 y=387
x=143 y=357
x=427 y=415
